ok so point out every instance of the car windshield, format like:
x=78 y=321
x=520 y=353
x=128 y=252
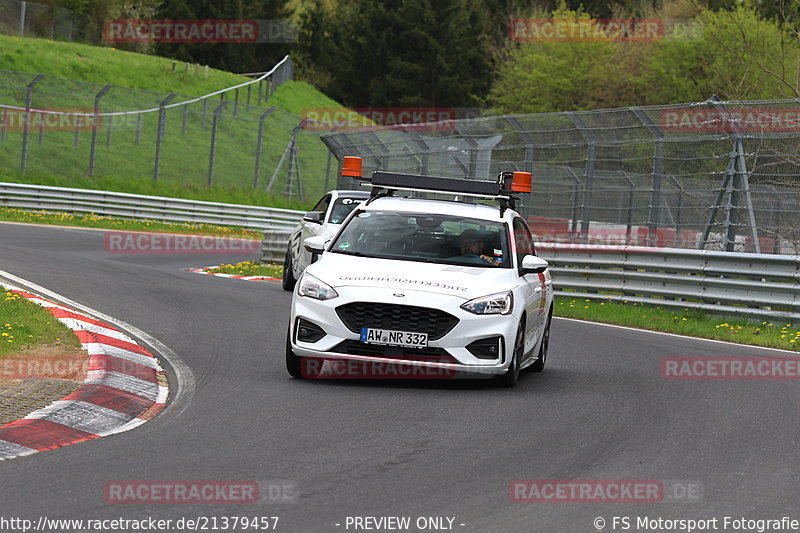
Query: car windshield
x=343 y=207
x=425 y=238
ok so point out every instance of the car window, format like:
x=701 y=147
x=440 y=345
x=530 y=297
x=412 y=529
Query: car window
x=429 y=238
x=522 y=240
x=343 y=207
x=322 y=205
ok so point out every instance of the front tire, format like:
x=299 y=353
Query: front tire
x=538 y=365
x=292 y=361
x=509 y=379
x=288 y=281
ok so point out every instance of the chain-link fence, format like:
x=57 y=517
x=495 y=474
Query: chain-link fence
x=232 y=137
x=713 y=175
x=29 y=19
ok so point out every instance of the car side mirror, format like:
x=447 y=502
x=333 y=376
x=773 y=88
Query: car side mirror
x=316 y=244
x=532 y=264
x=314 y=217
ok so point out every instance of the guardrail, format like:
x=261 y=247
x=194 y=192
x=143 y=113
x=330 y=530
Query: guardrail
x=137 y=206
x=727 y=283
x=752 y=285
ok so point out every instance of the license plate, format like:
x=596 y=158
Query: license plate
x=394 y=338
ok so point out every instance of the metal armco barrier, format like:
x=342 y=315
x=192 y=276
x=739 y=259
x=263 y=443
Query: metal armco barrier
x=751 y=285
x=137 y=206
x=273 y=247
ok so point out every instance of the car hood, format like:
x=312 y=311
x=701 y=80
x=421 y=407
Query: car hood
x=338 y=270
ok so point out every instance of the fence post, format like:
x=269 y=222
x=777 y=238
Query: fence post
x=138 y=127
x=95 y=124
x=4 y=125
x=22 y=12
x=658 y=170
x=527 y=139
x=26 y=126
x=591 y=150
x=258 y=145
x=211 y=153
x=183 y=123
x=162 y=119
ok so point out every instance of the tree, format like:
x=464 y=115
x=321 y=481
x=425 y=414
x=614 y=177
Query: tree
x=234 y=57
x=401 y=53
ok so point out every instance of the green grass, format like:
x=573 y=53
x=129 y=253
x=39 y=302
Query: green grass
x=107 y=65
x=23 y=324
x=249 y=268
x=689 y=322
x=94 y=221
x=172 y=189
x=126 y=147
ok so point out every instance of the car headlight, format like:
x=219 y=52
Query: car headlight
x=314 y=288
x=494 y=304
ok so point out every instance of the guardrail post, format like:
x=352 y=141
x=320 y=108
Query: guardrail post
x=236 y=102
x=247 y=107
x=95 y=125
x=4 y=125
x=258 y=144
x=162 y=119
x=205 y=109
x=591 y=151
x=259 y=91
x=28 y=102
x=211 y=153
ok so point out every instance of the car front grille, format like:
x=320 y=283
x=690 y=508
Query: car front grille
x=430 y=354
x=396 y=317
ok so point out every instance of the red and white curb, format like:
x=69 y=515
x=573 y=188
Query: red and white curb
x=205 y=270
x=123 y=389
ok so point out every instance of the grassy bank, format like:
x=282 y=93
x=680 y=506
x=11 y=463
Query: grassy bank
x=249 y=268
x=125 y=145
x=774 y=334
x=94 y=221
x=24 y=324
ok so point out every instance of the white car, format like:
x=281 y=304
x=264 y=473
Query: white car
x=324 y=219
x=431 y=285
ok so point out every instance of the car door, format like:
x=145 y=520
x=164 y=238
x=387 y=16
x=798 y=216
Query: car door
x=533 y=284
x=311 y=229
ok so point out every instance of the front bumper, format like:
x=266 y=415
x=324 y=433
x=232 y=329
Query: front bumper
x=453 y=356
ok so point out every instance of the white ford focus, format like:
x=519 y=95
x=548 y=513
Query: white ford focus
x=437 y=286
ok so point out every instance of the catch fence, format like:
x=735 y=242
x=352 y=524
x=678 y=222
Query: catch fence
x=711 y=175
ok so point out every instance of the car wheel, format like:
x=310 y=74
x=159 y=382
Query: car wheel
x=292 y=361
x=538 y=365
x=509 y=379
x=288 y=281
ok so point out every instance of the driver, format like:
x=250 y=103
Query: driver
x=471 y=245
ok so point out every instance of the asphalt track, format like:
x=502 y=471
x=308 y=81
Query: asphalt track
x=600 y=411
